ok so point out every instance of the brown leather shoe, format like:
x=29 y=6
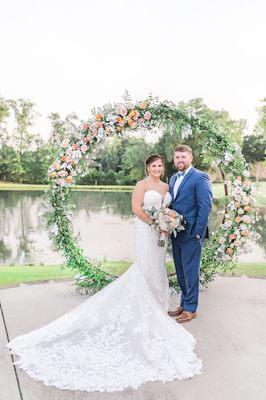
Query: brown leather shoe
x=176 y=312
x=186 y=316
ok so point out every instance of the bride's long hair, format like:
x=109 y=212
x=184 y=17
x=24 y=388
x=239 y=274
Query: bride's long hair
x=150 y=159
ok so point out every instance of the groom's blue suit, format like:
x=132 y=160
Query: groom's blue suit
x=193 y=200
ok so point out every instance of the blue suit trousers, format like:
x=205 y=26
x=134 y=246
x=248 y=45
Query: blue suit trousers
x=187 y=264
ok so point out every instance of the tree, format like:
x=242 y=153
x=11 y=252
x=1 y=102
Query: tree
x=58 y=131
x=4 y=114
x=260 y=127
x=5 y=251
x=173 y=136
x=253 y=150
x=137 y=150
x=8 y=157
x=35 y=163
x=24 y=115
x=235 y=128
x=110 y=157
x=165 y=146
x=63 y=128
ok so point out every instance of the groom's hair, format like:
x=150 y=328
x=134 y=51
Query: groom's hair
x=183 y=147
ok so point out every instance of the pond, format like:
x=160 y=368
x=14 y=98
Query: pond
x=103 y=221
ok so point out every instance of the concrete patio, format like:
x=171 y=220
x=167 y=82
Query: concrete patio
x=230 y=330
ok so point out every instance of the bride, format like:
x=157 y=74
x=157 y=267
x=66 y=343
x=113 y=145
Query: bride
x=122 y=336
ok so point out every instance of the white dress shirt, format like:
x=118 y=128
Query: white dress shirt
x=179 y=180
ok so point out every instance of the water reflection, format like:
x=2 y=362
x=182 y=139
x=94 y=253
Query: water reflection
x=103 y=221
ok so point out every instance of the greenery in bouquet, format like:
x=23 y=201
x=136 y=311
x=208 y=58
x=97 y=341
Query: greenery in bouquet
x=165 y=221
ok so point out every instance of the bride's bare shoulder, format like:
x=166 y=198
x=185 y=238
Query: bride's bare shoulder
x=142 y=183
x=141 y=186
x=165 y=186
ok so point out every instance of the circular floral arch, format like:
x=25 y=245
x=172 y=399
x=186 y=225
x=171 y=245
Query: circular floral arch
x=221 y=251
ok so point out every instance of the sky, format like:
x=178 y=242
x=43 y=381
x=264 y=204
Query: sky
x=71 y=56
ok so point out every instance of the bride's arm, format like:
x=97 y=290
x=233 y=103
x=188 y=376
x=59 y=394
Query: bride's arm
x=137 y=202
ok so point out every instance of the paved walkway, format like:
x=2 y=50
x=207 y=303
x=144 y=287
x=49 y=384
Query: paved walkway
x=230 y=329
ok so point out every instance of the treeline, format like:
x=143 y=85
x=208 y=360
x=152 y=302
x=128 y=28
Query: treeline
x=25 y=156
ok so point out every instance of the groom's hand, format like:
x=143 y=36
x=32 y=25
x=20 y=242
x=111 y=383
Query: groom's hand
x=198 y=237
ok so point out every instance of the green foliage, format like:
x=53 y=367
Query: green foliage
x=122 y=156
x=24 y=116
x=234 y=128
x=35 y=165
x=136 y=152
x=111 y=157
x=98 y=177
x=253 y=148
x=4 y=114
x=7 y=162
x=4 y=109
x=210 y=264
x=121 y=162
x=62 y=129
x=58 y=132
x=59 y=218
x=260 y=127
x=5 y=251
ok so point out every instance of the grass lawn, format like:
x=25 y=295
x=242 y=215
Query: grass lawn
x=218 y=190
x=12 y=275
x=85 y=188
x=252 y=269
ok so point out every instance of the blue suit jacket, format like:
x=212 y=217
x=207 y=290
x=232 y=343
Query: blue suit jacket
x=194 y=201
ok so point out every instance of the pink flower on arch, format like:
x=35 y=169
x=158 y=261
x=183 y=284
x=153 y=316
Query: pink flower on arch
x=65 y=143
x=147 y=115
x=56 y=165
x=122 y=111
x=60 y=182
x=84 y=148
x=228 y=224
x=62 y=173
x=69 y=152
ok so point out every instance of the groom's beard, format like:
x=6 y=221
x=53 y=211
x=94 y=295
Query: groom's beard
x=183 y=167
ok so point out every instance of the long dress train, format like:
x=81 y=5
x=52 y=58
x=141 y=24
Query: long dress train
x=119 y=338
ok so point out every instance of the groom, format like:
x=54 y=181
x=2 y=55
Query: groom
x=192 y=197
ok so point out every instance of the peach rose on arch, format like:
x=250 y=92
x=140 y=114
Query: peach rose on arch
x=143 y=105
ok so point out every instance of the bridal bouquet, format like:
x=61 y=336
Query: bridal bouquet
x=165 y=221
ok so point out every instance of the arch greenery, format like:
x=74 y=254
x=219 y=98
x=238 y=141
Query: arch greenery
x=221 y=251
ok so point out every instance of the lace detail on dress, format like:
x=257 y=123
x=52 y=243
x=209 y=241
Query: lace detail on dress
x=122 y=336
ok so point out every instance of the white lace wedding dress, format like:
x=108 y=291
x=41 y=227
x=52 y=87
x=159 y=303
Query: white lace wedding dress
x=119 y=338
